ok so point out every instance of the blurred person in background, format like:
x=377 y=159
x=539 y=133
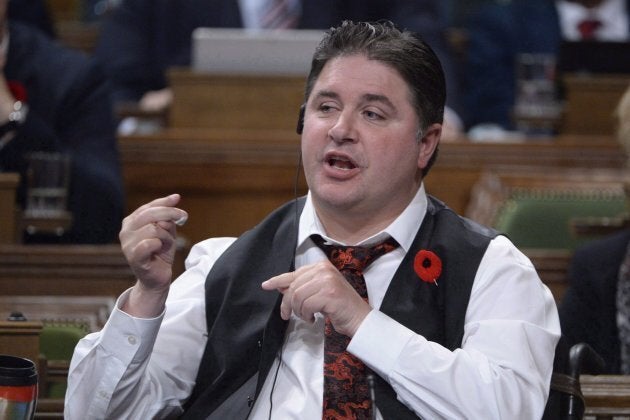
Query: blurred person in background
x=141 y=39
x=596 y=307
x=54 y=99
x=500 y=31
x=32 y=12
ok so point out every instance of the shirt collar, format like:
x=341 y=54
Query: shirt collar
x=403 y=229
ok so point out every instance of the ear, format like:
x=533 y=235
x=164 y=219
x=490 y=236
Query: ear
x=428 y=144
x=300 y=122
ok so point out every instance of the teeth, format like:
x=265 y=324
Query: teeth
x=341 y=163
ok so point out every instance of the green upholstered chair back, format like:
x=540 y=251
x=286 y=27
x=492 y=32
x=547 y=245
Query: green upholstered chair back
x=541 y=218
x=535 y=207
x=56 y=343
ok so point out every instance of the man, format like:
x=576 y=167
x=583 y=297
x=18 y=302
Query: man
x=501 y=31
x=141 y=39
x=456 y=324
x=54 y=99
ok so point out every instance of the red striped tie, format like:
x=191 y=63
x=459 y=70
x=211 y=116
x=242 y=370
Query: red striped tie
x=279 y=15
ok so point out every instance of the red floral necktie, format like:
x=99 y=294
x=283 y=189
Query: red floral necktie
x=346 y=391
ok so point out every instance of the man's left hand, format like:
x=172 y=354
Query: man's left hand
x=320 y=287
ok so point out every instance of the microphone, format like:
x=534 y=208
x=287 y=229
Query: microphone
x=370 y=381
x=300 y=123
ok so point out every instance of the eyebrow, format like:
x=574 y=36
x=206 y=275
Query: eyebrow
x=372 y=97
x=368 y=97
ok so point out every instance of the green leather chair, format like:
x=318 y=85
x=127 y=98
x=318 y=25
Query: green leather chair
x=541 y=218
x=56 y=343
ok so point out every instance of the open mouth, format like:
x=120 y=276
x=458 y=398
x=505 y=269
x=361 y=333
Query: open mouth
x=339 y=162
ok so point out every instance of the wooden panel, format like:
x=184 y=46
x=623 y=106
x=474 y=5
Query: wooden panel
x=8 y=185
x=230 y=179
x=89 y=311
x=230 y=101
x=606 y=396
x=460 y=164
x=20 y=338
x=591 y=101
x=74 y=270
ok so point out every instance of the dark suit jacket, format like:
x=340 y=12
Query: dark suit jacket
x=69 y=110
x=588 y=310
x=142 y=38
x=32 y=12
x=496 y=34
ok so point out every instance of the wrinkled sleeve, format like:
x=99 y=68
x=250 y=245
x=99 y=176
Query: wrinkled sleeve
x=145 y=368
x=504 y=365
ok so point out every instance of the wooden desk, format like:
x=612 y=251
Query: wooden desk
x=20 y=338
x=460 y=164
x=591 y=101
x=202 y=100
x=8 y=212
x=72 y=270
x=230 y=179
x=231 y=150
x=606 y=396
x=90 y=312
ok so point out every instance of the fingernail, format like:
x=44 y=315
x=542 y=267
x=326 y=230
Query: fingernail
x=181 y=220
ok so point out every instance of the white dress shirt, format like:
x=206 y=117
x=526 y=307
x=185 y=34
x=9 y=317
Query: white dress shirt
x=146 y=368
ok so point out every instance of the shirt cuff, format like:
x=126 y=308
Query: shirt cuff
x=380 y=341
x=129 y=338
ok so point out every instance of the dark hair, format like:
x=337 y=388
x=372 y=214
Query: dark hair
x=403 y=50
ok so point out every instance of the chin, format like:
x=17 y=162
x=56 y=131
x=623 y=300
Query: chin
x=334 y=197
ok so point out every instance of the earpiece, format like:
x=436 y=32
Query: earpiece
x=300 y=123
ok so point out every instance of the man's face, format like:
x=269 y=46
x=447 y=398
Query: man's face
x=360 y=146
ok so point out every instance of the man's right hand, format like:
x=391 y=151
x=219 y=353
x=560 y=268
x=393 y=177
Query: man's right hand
x=148 y=239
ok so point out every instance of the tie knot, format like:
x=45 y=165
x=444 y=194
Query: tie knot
x=588 y=27
x=355 y=258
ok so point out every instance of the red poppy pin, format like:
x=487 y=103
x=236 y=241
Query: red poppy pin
x=427 y=266
x=17 y=90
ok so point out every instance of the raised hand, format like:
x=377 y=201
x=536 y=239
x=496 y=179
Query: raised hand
x=148 y=239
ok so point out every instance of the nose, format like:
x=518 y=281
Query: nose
x=343 y=129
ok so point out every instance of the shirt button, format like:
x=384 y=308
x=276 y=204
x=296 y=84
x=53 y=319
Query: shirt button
x=132 y=340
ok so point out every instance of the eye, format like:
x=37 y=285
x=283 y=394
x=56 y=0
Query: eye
x=372 y=115
x=326 y=108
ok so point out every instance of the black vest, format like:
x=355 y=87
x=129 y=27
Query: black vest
x=245 y=331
